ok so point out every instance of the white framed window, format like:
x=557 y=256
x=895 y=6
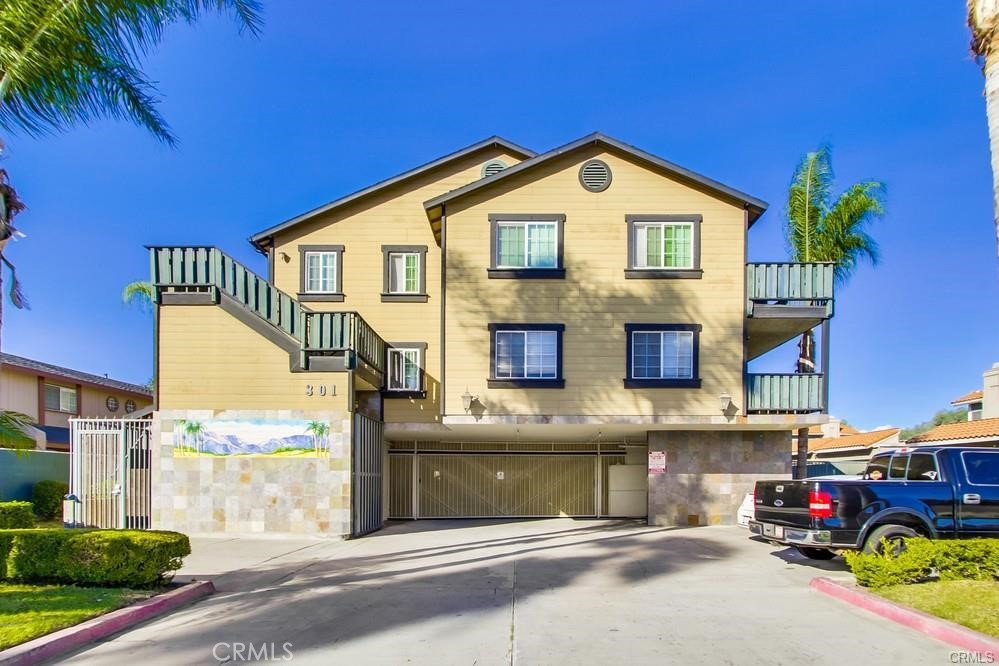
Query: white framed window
x=404 y=272
x=60 y=399
x=664 y=245
x=405 y=368
x=526 y=354
x=526 y=244
x=662 y=354
x=321 y=272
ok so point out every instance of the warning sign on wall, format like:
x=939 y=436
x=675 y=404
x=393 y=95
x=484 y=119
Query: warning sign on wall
x=657 y=462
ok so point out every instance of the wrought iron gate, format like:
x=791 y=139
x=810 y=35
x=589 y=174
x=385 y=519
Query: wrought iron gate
x=366 y=488
x=110 y=472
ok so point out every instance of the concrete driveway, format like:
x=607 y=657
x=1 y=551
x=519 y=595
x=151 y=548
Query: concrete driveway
x=528 y=592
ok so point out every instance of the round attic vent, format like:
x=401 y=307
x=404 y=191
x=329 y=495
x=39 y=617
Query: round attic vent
x=492 y=167
x=595 y=176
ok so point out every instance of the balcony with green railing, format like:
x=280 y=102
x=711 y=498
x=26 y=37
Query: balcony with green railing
x=783 y=300
x=180 y=273
x=785 y=393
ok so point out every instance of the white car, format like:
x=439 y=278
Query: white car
x=747 y=510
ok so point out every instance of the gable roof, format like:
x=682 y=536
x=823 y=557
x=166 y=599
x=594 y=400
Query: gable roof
x=974 y=396
x=493 y=141
x=863 y=440
x=76 y=375
x=981 y=429
x=755 y=206
x=844 y=429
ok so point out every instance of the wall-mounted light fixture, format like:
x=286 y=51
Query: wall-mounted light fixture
x=285 y=257
x=467 y=399
x=725 y=402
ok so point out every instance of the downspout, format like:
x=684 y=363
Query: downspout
x=742 y=308
x=443 y=305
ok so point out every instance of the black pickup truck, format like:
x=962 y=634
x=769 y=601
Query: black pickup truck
x=937 y=492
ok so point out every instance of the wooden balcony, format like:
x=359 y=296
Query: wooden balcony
x=783 y=300
x=785 y=393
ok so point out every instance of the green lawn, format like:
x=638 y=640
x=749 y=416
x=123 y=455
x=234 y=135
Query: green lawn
x=29 y=611
x=973 y=603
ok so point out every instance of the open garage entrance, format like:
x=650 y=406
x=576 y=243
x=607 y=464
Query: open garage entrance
x=516 y=480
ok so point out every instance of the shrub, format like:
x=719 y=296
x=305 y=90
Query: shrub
x=923 y=559
x=114 y=558
x=16 y=515
x=47 y=498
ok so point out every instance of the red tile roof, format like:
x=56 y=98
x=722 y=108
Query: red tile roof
x=986 y=429
x=861 y=440
x=974 y=396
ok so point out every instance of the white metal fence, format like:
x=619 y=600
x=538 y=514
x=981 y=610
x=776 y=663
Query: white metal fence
x=110 y=470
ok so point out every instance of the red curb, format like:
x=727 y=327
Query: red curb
x=73 y=638
x=938 y=628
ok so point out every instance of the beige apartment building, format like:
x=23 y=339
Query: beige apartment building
x=496 y=333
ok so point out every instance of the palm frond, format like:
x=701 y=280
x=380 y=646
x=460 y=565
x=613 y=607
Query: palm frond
x=17 y=296
x=64 y=62
x=12 y=430
x=807 y=202
x=139 y=293
x=845 y=239
x=10 y=206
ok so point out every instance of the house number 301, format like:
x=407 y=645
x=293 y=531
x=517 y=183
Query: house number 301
x=321 y=390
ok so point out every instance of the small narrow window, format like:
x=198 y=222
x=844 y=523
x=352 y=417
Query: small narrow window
x=526 y=246
x=405 y=377
x=405 y=273
x=662 y=356
x=526 y=355
x=60 y=399
x=663 y=246
x=321 y=272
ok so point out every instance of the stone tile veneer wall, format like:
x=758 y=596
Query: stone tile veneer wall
x=709 y=472
x=251 y=495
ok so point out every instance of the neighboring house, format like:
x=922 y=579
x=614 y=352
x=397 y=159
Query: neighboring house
x=982 y=403
x=973 y=401
x=982 y=427
x=51 y=395
x=854 y=447
x=834 y=428
x=495 y=333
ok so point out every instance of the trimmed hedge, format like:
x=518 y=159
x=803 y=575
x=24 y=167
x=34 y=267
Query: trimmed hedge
x=113 y=558
x=47 y=498
x=16 y=515
x=923 y=559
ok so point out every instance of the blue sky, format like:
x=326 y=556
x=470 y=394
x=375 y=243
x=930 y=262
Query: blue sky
x=334 y=96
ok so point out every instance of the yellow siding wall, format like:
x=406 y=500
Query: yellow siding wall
x=393 y=217
x=19 y=392
x=210 y=360
x=594 y=301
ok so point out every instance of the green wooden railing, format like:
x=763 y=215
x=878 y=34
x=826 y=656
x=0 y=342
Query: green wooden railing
x=318 y=332
x=785 y=393
x=790 y=284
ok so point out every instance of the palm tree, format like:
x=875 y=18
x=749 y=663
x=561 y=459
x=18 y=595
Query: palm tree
x=983 y=19
x=12 y=431
x=820 y=229
x=139 y=293
x=193 y=431
x=319 y=431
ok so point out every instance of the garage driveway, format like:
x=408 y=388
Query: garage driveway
x=527 y=592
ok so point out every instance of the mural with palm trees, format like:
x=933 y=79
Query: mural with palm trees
x=259 y=437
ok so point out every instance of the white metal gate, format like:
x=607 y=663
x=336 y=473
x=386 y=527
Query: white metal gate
x=111 y=472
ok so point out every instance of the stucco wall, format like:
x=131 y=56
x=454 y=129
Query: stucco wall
x=709 y=472
x=252 y=494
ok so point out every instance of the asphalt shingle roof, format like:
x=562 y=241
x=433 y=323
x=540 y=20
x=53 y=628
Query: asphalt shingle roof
x=69 y=373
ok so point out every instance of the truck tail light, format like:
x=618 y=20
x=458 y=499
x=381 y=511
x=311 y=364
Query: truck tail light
x=819 y=504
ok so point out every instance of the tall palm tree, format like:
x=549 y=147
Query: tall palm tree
x=822 y=229
x=139 y=293
x=983 y=19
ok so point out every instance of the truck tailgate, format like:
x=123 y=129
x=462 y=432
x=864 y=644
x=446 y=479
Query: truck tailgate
x=783 y=503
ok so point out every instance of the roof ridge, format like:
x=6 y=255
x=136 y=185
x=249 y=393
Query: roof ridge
x=70 y=373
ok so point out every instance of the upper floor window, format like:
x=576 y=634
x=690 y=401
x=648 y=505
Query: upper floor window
x=322 y=272
x=663 y=356
x=404 y=273
x=405 y=369
x=526 y=355
x=664 y=246
x=526 y=246
x=60 y=399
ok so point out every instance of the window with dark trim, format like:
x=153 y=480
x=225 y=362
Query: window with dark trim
x=663 y=356
x=663 y=246
x=404 y=273
x=526 y=246
x=525 y=356
x=321 y=273
x=405 y=376
x=60 y=399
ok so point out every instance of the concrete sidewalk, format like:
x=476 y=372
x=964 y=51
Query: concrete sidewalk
x=525 y=592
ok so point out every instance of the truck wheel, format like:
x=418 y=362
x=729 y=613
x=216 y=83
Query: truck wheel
x=894 y=535
x=815 y=553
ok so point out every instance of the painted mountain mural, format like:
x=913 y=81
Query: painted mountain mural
x=251 y=438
